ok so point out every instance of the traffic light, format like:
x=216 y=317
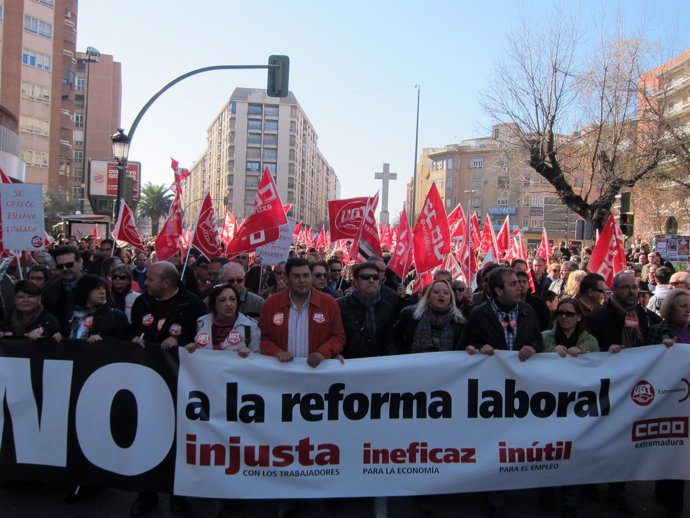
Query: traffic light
x=627 y=223
x=278 y=76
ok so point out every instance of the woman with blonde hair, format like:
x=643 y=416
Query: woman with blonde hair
x=433 y=324
x=572 y=285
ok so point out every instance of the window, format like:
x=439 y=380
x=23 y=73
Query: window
x=254 y=124
x=253 y=153
x=439 y=184
x=36 y=92
x=35 y=158
x=502 y=201
x=253 y=166
x=437 y=165
x=78 y=120
x=271 y=167
x=502 y=182
x=49 y=3
x=292 y=155
x=29 y=124
x=293 y=127
x=476 y=202
x=270 y=125
x=78 y=155
x=270 y=154
x=251 y=182
x=254 y=109
x=270 y=111
x=270 y=140
x=536 y=222
x=254 y=139
x=291 y=183
x=477 y=184
x=477 y=163
x=37 y=60
x=450 y=163
x=81 y=84
x=37 y=26
x=449 y=182
x=449 y=203
x=524 y=221
x=536 y=200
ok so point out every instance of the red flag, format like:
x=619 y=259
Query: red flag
x=457 y=216
x=262 y=225
x=450 y=264
x=296 y=231
x=94 y=233
x=185 y=240
x=166 y=242
x=205 y=237
x=229 y=227
x=608 y=256
x=125 y=229
x=345 y=217
x=287 y=208
x=386 y=237
x=467 y=261
x=488 y=241
x=503 y=238
x=4 y=178
x=544 y=251
x=180 y=174
x=366 y=243
x=321 y=240
x=401 y=260
x=431 y=235
x=474 y=231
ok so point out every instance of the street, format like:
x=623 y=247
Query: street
x=42 y=499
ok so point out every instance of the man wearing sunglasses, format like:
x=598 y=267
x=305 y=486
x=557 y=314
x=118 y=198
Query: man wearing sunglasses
x=592 y=293
x=58 y=294
x=367 y=318
x=250 y=303
x=336 y=280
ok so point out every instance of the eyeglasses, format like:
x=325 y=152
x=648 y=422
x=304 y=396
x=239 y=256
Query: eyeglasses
x=459 y=289
x=239 y=280
x=120 y=277
x=368 y=276
x=319 y=275
x=62 y=266
x=569 y=314
x=555 y=270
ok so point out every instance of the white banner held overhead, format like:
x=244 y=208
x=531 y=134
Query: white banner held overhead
x=277 y=251
x=23 y=227
x=428 y=423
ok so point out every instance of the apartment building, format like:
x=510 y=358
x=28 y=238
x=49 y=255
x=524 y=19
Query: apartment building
x=490 y=177
x=250 y=133
x=43 y=83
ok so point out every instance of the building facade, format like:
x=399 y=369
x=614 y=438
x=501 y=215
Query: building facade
x=491 y=177
x=253 y=132
x=43 y=84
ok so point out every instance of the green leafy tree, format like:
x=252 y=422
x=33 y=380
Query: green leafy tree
x=56 y=203
x=154 y=202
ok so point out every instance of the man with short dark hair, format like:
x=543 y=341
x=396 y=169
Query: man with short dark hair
x=58 y=294
x=540 y=276
x=249 y=303
x=367 y=318
x=592 y=293
x=536 y=303
x=336 y=280
x=301 y=322
x=662 y=276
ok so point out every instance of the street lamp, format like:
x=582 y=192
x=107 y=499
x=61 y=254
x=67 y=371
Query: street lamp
x=121 y=153
x=416 y=148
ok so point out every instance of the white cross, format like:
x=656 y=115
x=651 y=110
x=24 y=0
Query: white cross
x=385 y=176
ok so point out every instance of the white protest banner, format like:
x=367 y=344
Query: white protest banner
x=277 y=251
x=428 y=423
x=22 y=216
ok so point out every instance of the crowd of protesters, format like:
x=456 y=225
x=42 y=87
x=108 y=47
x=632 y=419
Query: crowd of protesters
x=315 y=306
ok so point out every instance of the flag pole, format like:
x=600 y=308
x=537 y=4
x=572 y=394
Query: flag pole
x=116 y=228
x=189 y=246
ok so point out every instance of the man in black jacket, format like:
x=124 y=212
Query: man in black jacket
x=505 y=322
x=618 y=324
x=367 y=318
x=166 y=314
x=58 y=293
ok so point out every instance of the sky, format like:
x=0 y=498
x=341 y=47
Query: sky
x=353 y=69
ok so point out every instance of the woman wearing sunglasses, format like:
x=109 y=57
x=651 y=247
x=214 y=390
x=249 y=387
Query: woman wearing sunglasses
x=568 y=335
x=122 y=292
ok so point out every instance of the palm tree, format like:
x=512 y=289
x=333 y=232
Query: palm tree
x=154 y=202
